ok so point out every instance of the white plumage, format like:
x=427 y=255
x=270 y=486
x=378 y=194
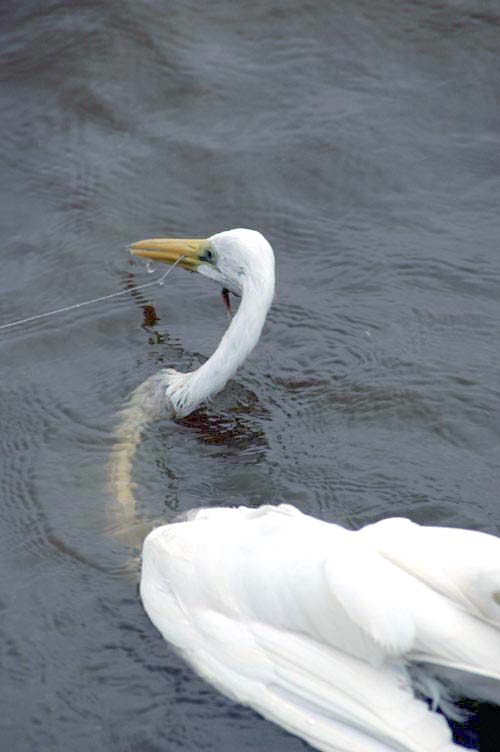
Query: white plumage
x=326 y=631
x=242 y=262
x=333 y=634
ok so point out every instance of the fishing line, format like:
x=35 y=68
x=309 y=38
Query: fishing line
x=94 y=300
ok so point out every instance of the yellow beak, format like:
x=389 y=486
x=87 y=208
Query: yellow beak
x=169 y=250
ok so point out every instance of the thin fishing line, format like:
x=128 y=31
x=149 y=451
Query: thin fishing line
x=94 y=300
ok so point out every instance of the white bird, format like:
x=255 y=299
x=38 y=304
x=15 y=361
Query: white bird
x=333 y=634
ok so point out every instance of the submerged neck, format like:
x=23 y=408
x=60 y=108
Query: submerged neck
x=195 y=387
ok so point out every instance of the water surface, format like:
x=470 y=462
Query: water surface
x=361 y=138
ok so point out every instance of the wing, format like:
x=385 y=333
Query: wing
x=334 y=701
x=296 y=619
x=464 y=565
x=460 y=628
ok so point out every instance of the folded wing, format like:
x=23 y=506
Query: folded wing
x=310 y=624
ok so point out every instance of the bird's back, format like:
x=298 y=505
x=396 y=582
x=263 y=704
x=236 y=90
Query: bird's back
x=308 y=623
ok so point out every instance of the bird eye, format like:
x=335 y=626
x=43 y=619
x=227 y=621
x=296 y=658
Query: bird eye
x=208 y=255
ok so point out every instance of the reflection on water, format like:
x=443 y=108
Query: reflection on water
x=361 y=138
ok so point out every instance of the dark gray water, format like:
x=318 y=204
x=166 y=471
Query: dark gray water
x=362 y=138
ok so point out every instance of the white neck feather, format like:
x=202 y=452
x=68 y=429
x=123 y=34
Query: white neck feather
x=186 y=391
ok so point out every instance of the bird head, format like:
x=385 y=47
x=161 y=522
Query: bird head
x=234 y=258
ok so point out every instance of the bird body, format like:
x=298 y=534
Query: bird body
x=315 y=627
x=336 y=635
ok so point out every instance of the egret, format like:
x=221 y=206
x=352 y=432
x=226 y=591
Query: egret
x=336 y=635
x=242 y=262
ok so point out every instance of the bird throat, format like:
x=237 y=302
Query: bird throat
x=226 y=300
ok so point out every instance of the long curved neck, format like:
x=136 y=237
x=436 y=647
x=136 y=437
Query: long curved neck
x=238 y=341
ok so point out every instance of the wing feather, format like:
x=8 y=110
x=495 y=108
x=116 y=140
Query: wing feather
x=314 y=626
x=336 y=702
x=464 y=565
